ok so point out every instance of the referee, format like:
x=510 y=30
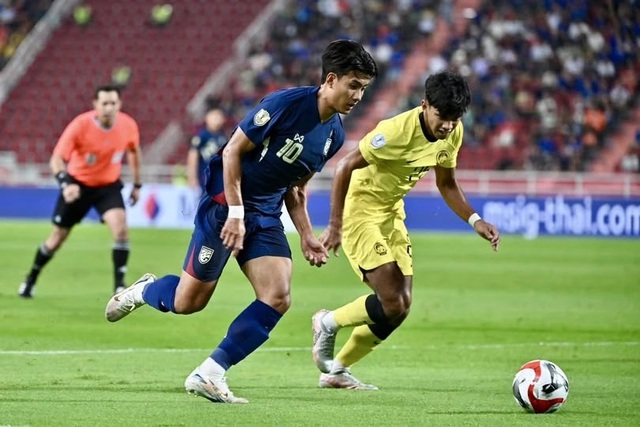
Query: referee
x=87 y=162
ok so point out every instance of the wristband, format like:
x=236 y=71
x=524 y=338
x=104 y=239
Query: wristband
x=137 y=185
x=473 y=219
x=63 y=179
x=236 y=212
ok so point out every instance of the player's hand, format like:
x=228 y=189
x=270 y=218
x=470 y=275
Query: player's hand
x=488 y=232
x=134 y=196
x=314 y=251
x=71 y=193
x=331 y=239
x=232 y=235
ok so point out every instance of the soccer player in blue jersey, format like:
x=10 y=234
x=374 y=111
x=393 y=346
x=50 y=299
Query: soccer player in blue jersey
x=367 y=219
x=268 y=161
x=203 y=145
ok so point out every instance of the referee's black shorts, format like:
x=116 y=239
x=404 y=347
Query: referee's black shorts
x=109 y=196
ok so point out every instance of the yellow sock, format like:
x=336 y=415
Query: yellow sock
x=360 y=343
x=352 y=314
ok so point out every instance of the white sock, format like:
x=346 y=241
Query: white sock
x=337 y=367
x=211 y=368
x=137 y=293
x=329 y=323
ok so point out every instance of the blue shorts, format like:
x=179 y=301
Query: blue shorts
x=207 y=256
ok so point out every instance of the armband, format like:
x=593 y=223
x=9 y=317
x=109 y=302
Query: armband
x=137 y=185
x=63 y=179
x=236 y=212
x=473 y=219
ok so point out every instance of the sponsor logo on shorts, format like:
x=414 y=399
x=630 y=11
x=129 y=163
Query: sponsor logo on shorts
x=261 y=118
x=205 y=255
x=380 y=249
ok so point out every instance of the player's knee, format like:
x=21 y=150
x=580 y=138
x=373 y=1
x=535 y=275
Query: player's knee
x=396 y=309
x=279 y=302
x=397 y=304
x=190 y=305
x=120 y=233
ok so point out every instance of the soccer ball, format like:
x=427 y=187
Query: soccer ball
x=540 y=386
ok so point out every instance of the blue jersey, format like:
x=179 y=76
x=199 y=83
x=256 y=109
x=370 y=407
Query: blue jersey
x=207 y=143
x=291 y=142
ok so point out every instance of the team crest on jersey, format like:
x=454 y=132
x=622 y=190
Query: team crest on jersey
x=261 y=118
x=380 y=248
x=442 y=156
x=205 y=255
x=378 y=141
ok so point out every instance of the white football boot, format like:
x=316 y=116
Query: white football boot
x=343 y=379
x=212 y=388
x=323 y=343
x=124 y=302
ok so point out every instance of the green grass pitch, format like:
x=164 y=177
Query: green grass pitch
x=476 y=317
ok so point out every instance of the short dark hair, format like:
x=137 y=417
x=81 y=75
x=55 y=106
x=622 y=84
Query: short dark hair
x=344 y=56
x=107 y=88
x=447 y=92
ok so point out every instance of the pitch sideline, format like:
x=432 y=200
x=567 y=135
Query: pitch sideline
x=470 y=347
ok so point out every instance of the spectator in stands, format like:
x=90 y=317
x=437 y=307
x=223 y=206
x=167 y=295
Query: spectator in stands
x=120 y=76
x=19 y=17
x=584 y=54
x=86 y=162
x=284 y=58
x=161 y=15
x=203 y=145
x=82 y=15
x=631 y=160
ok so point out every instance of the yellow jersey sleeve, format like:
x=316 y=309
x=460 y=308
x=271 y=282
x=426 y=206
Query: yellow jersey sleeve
x=385 y=142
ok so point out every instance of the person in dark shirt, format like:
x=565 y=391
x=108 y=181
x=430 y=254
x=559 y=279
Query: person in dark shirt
x=268 y=161
x=203 y=145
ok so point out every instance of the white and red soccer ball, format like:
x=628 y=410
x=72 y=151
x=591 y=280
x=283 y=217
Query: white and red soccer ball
x=540 y=386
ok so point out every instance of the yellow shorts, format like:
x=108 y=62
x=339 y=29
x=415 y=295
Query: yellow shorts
x=369 y=245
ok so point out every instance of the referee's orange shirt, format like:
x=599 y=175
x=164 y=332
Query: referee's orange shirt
x=94 y=154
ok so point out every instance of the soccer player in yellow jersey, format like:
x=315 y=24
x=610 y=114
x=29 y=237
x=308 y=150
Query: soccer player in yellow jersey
x=367 y=219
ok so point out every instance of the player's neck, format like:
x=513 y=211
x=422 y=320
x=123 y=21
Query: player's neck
x=325 y=110
x=106 y=125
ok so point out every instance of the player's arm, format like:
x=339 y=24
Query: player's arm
x=331 y=238
x=295 y=200
x=69 y=188
x=57 y=164
x=192 y=167
x=134 y=158
x=454 y=197
x=233 y=231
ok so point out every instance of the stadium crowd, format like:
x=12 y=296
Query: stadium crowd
x=551 y=79
x=287 y=56
x=17 y=17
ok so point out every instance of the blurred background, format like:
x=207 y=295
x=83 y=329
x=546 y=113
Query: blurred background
x=552 y=141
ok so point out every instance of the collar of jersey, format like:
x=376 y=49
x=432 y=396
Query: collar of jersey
x=423 y=125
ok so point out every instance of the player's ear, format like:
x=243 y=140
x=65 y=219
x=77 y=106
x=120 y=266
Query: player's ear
x=331 y=79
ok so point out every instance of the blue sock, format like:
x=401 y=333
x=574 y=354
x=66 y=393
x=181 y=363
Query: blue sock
x=162 y=293
x=246 y=333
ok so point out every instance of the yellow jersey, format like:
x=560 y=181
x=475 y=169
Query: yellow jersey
x=399 y=154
